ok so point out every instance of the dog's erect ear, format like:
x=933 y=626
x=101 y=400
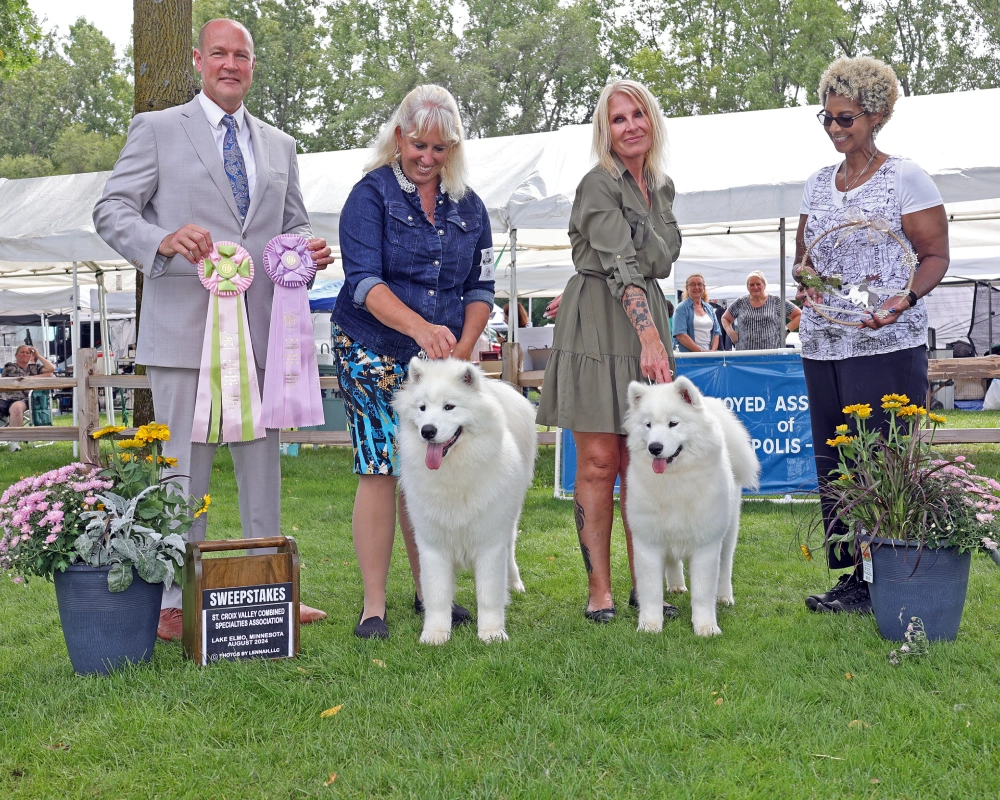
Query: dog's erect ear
x=636 y=391
x=688 y=391
x=415 y=369
x=470 y=376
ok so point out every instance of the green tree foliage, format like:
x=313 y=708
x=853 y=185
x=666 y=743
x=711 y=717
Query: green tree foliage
x=19 y=33
x=68 y=111
x=290 y=70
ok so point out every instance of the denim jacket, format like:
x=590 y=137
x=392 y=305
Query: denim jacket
x=435 y=270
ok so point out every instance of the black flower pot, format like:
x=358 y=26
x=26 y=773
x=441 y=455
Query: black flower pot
x=106 y=630
x=929 y=583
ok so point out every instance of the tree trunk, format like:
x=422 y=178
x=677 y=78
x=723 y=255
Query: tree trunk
x=164 y=78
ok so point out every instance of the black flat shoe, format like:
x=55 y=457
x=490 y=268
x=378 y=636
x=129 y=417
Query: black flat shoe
x=371 y=628
x=847 y=583
x=669 y=609
x=460 y=615
x=600 y=615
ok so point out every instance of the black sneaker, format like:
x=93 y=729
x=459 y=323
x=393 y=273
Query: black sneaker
x=846 y=583
x=460 y=615
x=854 y=600
x=669 y=609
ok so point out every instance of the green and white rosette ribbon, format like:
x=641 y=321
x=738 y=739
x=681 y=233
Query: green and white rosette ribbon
x=227 y=408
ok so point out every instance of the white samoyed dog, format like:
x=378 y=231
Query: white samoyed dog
x=688 y=457
x=467 y=449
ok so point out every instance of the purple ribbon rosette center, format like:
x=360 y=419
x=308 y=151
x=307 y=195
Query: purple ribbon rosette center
x=292 y=396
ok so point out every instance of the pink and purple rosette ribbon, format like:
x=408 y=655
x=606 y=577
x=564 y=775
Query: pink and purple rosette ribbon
x=227 y=407
x=292 y=397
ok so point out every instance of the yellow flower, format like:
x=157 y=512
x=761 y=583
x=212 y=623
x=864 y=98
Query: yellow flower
x=206 y=502
x=891 y=404
x=860 y=410
x=130 y=444
x=839 y=440
x=165 y=461
x=126 y=457
x=937 y=419
x=902 y=399
x=107 y=430
x=841 y=429
x=149 y=459
x=152 y=432
x=912 y=411
x=846 y=477
x=805 y=553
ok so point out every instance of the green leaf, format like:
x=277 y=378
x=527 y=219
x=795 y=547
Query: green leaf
x=120 y=577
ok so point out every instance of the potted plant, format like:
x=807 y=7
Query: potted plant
x=108 y=535
x=912 y=517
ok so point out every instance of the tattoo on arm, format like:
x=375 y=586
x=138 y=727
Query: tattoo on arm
x=581 y=519
x=637 y=309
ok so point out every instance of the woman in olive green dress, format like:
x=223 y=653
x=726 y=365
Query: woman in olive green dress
x=612 y=325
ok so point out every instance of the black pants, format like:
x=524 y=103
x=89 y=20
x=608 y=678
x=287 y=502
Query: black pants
x=832 y=385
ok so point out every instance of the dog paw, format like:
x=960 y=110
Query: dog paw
x=708 y=630
x=517 y=586
x=434 y=637
x=650 y=626
x=680 y=589
x=726 y=600
x=493 y=635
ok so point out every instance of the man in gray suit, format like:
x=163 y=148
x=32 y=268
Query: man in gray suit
x=190 y=175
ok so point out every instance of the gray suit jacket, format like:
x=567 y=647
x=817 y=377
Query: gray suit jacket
x=169 y=174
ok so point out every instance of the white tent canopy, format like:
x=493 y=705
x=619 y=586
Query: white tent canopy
x=727 y=168
x=736 y=175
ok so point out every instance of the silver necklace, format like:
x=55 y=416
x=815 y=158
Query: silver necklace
x=405 y=183
x=847 y=186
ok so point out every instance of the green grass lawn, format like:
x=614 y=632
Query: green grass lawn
x=786 y=704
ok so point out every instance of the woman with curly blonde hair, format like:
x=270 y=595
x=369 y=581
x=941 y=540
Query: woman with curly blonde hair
x=895 y=211
x=612 y=326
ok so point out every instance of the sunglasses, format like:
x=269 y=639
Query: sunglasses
x=843 y=120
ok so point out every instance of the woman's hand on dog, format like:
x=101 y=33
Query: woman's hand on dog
x=436 y=340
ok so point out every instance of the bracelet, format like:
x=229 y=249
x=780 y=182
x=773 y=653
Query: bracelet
x=911 y=298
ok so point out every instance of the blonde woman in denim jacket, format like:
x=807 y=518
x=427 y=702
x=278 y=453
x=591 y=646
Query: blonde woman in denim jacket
x=418 y=267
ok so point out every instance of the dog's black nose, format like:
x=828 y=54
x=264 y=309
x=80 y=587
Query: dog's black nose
x=655 y=448
x=429 y=432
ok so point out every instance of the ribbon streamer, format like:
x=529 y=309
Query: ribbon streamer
x=292 y=397
x=228 y=404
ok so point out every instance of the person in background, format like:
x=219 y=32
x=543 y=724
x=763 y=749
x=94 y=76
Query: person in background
x=760 y=317
x=27 y=362
x=416 y=245
x=612 y=324
x=886 y=352
x=696 y=327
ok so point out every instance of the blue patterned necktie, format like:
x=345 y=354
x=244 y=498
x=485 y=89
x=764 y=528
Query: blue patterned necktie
x=236 y=169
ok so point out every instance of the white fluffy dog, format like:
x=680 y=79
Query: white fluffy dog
x=689 y=456
x=467 y=456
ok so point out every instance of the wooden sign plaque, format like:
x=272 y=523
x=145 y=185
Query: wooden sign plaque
x=239 y=607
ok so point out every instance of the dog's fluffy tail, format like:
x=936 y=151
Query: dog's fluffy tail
x=746 y=467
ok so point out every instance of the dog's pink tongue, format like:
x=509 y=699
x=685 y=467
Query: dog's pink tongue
x=435 y=454
x=659 y=465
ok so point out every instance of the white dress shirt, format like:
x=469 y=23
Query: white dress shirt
x=214 y=115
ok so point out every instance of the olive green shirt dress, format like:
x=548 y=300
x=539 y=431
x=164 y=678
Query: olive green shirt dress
x=617 y=242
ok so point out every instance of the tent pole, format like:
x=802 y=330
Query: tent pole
x=109 y=392
x=781 y=272
x=45 y=335
x=74 y=340
x=512 y=317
